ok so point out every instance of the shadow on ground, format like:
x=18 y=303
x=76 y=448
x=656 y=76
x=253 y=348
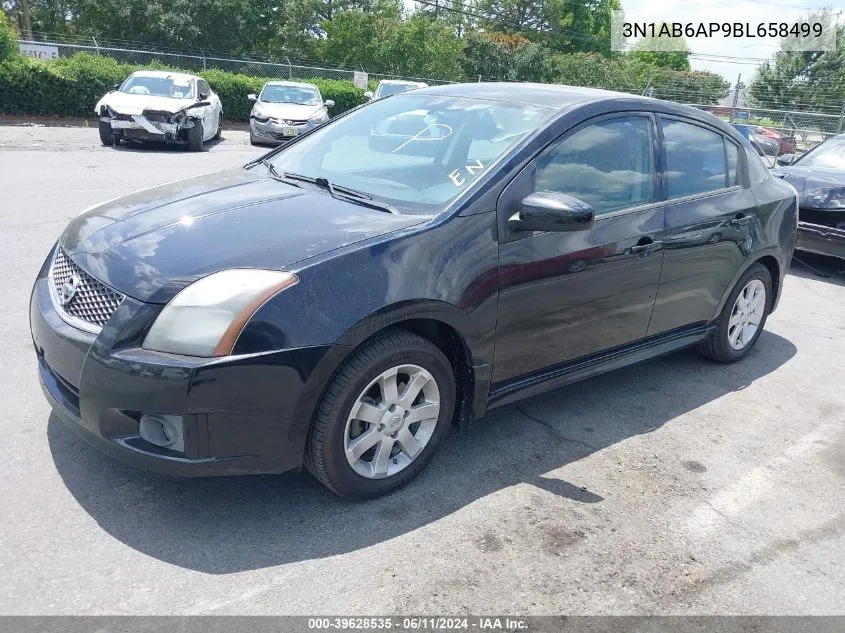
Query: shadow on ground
x=225 y=525
x=813 y=266
x=155 y=147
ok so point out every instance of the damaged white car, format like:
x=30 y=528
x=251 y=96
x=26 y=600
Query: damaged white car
x=154 y=105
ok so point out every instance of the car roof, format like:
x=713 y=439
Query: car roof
x=402 y=82
x=298 y=84
x=560 y=97
x=164 y=73
x=550 y=95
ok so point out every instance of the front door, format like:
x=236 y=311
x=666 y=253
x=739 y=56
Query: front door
x=564 y=296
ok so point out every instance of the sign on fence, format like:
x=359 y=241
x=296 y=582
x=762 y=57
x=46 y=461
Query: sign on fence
x=360 y=79
x=39 y=51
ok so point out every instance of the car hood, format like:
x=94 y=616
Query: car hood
x=125 y=103
x=291 y=111
x=817 y=188
x=150 y=244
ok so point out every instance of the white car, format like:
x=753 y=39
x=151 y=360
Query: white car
x=284 y=110
x=155 y=105
x=388 y=87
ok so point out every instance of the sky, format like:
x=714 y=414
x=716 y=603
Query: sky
x=752 y=11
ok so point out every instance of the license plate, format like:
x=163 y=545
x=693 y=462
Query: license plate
x=289 y=131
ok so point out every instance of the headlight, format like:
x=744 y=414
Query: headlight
x=319 y=118
x=259 y=115
x=825 y=198
x=206 y=318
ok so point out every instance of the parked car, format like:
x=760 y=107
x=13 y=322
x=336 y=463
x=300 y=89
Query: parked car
x=335 y=304
x=156 y=105
x=819 y=177
x=388 y=87
x=786 y=142
x=764 y=145
x=284 y=110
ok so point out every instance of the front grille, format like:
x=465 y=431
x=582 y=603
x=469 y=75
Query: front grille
x=92 y=302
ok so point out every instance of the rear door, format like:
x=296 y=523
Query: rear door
x=566 y=296
x=710 y=222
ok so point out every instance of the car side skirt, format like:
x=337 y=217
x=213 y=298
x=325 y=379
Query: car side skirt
x=583 y=368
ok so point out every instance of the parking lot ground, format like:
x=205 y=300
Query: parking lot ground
x=676 y=486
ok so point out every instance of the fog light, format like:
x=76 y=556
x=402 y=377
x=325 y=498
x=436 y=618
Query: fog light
x=163 y=430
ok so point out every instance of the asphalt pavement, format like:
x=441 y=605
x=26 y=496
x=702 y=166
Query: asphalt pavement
x=678 y=486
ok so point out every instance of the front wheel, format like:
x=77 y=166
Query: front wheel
x=194 y=137
x=219 y=133
x=742 y=318
x=106 y=136
x=382 y=416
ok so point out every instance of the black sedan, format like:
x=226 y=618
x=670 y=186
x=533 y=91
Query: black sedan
x=341 y=301
x=819 y=177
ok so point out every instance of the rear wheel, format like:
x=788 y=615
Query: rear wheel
x=194 y=137
x=106 y=136
x=742 y=319
x=382 y=416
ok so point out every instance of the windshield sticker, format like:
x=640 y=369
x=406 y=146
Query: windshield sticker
x=435 y=133
x=458 y=178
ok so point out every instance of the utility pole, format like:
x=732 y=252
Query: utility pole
x=737 y=88
x=841 y=117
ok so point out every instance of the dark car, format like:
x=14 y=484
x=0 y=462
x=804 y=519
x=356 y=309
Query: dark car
x=340 y=303
x=819 y=178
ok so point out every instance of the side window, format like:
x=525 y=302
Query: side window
x=608 y=165
x=732 y=154
x=695 y=158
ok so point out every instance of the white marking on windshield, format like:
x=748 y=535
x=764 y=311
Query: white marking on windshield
x=416 y=137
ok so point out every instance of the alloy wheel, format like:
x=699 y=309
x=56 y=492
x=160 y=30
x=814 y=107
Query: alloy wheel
x=747 y=313
x=391 y=421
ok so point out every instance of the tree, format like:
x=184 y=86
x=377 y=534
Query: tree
x=8 y=45
x=505 y=57
x=803 y=80
x=663 y=52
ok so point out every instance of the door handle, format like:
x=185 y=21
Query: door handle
x=649 y=247
x=741 y=220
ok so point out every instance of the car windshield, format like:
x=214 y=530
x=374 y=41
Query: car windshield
x=416 y=151
x=830 y=154
x=173 y=87
x=385 y=90
x=290 y=94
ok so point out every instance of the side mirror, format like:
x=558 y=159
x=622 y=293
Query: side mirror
x=369 y=94
x=115 y=87
x=252 y=97
x=786 y=159
x=552 y=211
x=203 y=96
x=328 y=103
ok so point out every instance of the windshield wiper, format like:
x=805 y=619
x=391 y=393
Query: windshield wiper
x=345 y=193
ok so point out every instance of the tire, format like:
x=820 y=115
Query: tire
x=219 y=133
x=334 y=427
x=194 y=137
x=106 y=136
x=717 y=345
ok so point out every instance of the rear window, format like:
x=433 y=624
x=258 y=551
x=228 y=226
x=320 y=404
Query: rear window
x=695 y=157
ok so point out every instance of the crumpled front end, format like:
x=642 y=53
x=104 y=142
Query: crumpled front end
x=150 y=125
x=822 y=231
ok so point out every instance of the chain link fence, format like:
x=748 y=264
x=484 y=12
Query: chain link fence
x=283 y=68
x=803 y=116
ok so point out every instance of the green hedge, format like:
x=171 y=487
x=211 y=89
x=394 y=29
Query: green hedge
x=71 y=86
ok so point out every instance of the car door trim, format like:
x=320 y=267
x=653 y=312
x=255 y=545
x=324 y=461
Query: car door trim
x=589 y=366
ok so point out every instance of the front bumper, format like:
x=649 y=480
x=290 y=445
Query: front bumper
x=821 y=239
x=140 y=128
x=237 y=412
x=275 y=132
